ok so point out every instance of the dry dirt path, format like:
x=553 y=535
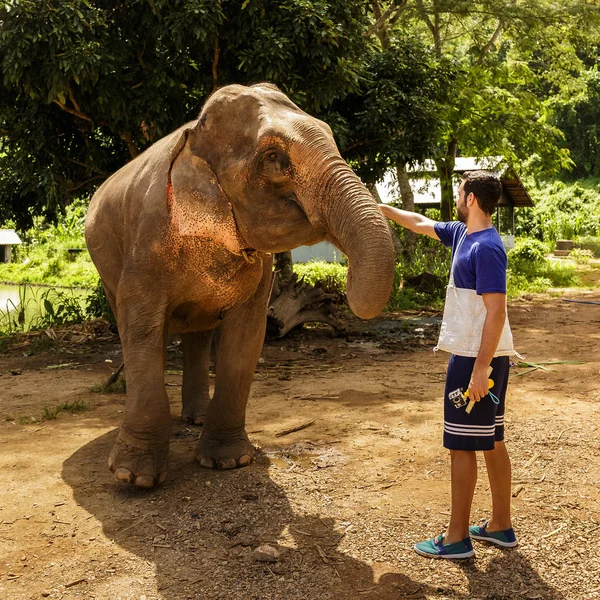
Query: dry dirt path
x=342 y=500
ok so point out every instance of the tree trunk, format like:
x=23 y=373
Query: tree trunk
x=445 y=168
x=283 y=266
x=298 y=302
x=408 y=203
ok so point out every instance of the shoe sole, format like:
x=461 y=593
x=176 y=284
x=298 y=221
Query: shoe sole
x=448 y=556
x=491 y=540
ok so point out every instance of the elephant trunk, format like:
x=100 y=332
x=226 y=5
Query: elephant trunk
x=354 y=223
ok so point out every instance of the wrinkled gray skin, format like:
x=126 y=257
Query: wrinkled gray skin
x=183 y=236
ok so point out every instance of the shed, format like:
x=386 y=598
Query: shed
x=8 y=238
x=427 y=192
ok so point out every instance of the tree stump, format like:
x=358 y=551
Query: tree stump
x=296 y=302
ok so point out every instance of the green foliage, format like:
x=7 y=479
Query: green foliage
x=50 y=413
x=118 y=387
x=315 y=271
x=86 y=86
x=60 y=308
x=97 y=305
x=590 y=243
x=39 y=308
x=397 y=114
x=529 y=270
x=562 y=211
x=79 y=405
x=44 y=256
x=527 y=256
x=578 y=117
x=581 y=256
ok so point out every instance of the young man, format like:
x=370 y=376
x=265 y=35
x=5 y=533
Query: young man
x=476 y=332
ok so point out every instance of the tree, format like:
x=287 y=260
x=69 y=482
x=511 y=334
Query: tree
x=86 y=85
x=494 y=108
x=578 y=117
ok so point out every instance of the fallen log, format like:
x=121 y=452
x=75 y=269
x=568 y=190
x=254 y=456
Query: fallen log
x=297 y=302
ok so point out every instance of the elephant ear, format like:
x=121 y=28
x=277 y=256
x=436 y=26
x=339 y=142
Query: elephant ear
x=197 y=203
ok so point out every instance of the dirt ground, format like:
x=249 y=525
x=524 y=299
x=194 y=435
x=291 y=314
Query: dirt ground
x=342 y=500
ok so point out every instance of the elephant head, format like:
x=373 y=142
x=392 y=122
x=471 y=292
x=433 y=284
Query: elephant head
x=255 y=153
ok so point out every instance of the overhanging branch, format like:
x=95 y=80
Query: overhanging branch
x=391 y=13
x=73 y=111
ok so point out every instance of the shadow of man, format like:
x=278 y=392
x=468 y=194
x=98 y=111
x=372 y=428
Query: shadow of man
x=201 y=531
x=509 y=575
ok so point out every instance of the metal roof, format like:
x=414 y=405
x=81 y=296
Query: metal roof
x=427 y=190
x=9 y=237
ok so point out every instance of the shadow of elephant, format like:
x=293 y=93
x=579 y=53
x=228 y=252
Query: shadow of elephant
x=201 y=529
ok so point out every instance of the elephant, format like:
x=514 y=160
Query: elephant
x=183 y=237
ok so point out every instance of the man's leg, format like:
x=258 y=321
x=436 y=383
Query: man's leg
x=464 y=478
x=464 y=433
x=497 y=463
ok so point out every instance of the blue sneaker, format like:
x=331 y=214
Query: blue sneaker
x=504 y=539
x=434 y=548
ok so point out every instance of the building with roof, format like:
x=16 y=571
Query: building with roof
x=427 y=192
x=8 y=238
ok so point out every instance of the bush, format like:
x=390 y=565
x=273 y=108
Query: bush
x=527 y=257
x=590 y=243
x=581 y=256
x=529 y=270
x=315 y=271
x=562 y=211
x=97 y=305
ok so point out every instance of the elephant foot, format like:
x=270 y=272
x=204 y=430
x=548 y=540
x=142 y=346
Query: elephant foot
x=224 y=452
x=194 y=413
x=141 y=463
x=193 y=418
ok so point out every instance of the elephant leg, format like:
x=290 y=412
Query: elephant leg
x=196 y=360
x=140 y=453
x=224 y=443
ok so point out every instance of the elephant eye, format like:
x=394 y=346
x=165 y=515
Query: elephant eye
x=272 y=156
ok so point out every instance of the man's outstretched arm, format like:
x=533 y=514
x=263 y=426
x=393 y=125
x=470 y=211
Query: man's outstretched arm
x=411 y=220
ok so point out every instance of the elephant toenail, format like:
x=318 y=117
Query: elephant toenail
x=244 y=460
x=227 y=463
x=208 y=463
x=162 y=477
x=144 y=481
x=125 y=475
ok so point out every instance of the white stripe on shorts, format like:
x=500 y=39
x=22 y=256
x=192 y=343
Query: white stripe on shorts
x=482 y=428
x=466 y=434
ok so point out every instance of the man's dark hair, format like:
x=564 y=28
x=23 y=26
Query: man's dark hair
x=486 y=187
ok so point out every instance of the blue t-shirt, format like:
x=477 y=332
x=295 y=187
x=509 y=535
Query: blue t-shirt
x=481 y=261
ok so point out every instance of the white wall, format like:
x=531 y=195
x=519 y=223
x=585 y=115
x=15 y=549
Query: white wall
x=321 y=251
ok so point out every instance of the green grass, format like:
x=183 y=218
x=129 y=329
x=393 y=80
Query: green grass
x=118 y=387
x=50 y=413
x=44 y=258
x=40 y=264
x=78 y=405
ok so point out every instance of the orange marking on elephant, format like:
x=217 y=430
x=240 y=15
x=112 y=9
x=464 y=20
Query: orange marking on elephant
x=170 y=194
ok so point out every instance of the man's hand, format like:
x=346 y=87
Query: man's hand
x=478 y=386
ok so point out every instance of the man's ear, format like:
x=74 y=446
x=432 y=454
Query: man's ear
x=197 y=204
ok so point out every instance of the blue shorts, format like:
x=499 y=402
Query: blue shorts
x=479 y=429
